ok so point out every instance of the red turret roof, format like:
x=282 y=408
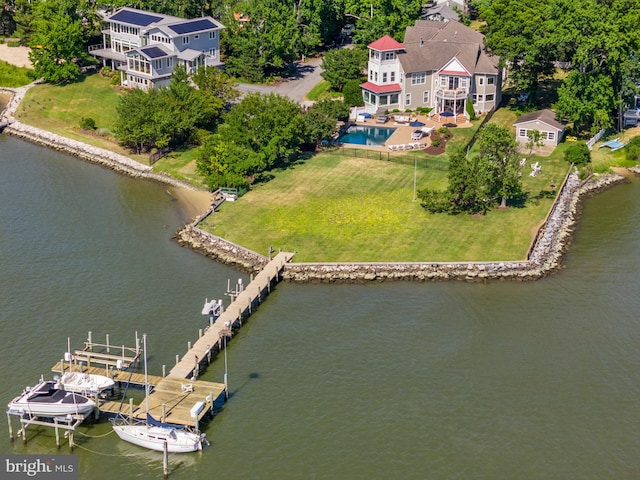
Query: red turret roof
x=386 y=44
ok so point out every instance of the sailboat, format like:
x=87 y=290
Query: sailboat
x=155 y=435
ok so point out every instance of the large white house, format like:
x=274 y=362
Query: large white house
x=442 y=65
x=146 y=46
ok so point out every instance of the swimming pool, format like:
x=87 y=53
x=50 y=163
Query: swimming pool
x=366 y=135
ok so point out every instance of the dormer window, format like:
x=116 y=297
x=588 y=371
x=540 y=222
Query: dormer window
x=389 y=55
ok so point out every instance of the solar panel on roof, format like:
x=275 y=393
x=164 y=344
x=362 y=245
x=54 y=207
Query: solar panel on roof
x=153 y=52
x=135 y=18
x=194 y=26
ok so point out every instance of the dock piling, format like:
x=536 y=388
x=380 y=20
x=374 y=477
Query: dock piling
x=10 y=427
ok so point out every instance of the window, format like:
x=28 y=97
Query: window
x=375 y=76
x=480 y=98
x=196 y=36
x=365 y=94
x=480 y=80
x=212 y=35
x=384 y=77
x=474 y=98
x=425 y=97
x=393 y=77
x=444 y=81
x=491 y=80
x=157 y=64
x=489 y=97
x=551 y=135
x=371 y=75
x=389 y=55
x=185 y=40
x=384 y=99
x=393 y=98
x=407 y=99
x=376 y=55
x=213 y=52
x=419 y=78
x=522 y=132
x=169 y=62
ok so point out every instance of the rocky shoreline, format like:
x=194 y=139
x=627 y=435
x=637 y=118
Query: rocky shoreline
x=544 y=258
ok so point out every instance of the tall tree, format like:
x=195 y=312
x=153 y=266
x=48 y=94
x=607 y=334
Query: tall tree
x=265 y=43
x=58 y=41
x=518 y=31
x=343 y=64
x=499 y=152
x=219 y=89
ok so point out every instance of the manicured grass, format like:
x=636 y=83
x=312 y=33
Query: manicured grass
x=321 y=92
x=13 y=77
x=333 y=208
x=58 y=109
x=181 y=164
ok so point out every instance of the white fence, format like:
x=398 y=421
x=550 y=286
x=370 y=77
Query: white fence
x=594 y=139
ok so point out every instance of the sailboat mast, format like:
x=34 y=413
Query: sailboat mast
x=146 y=375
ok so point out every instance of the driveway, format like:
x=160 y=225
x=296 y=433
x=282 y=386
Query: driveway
x=305 y=77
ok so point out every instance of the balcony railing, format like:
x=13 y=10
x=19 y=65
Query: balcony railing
x=452 y=93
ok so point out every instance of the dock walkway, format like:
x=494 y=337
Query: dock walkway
x=241 y=307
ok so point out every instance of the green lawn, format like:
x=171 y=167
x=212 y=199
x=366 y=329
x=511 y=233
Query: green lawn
x=333 y=208
x=58 y=109
x=13 y=77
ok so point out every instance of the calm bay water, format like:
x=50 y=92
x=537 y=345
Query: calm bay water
x=399 y=380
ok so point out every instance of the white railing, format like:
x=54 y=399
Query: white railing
x=452 y=93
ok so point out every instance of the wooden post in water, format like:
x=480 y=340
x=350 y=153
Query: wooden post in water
x=130 y=410
x=71 y=444
x=55 y=421
x=188 y=346
x=165 y=460
x=90 y=342
x=107 y=341
x=10 y=426
x=164 y=370
x=177 y=359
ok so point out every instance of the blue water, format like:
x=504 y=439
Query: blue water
x=365 y=135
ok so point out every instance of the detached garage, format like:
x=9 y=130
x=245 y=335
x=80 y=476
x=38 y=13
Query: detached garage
x=551 y=130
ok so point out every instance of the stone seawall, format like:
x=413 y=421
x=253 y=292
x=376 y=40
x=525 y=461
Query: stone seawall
x=545 y=258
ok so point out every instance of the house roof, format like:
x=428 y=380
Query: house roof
x=545 y=116
x=430 y=45
x=386 y=88
x=189 y=54
x=441 y=10
x=385 y=44
x=172 y=26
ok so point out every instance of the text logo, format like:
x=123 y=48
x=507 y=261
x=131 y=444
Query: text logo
x=49 y=467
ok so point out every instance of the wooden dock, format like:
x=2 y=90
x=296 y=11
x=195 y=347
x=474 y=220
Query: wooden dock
x=241 y=307
x=179 y=397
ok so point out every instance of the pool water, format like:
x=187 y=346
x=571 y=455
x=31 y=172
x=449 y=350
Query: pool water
x=366 y=135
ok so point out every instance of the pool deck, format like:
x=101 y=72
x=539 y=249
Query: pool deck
x=402 y=135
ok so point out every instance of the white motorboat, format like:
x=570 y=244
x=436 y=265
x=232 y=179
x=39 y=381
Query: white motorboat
x=155 y=435
x=47 y=400
x=85 y=383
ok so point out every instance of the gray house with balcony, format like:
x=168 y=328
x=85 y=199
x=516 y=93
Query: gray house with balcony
x=442 y=65
x=145 y=47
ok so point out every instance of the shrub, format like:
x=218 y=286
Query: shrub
x=578 y=154
x=87 y=123
x=470 y=111
x=632 y=150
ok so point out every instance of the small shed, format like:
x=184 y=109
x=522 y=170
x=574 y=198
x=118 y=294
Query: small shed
x=551 y=130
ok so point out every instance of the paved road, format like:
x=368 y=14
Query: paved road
x=296 y=87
